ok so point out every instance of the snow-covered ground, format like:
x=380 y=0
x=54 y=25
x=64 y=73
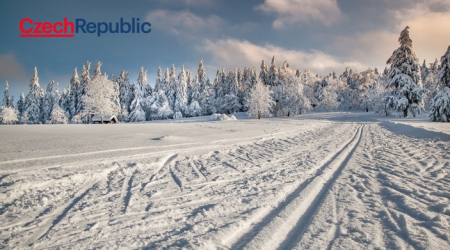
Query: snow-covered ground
x=316 y=181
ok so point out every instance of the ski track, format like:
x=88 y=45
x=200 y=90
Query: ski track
x=336 y=185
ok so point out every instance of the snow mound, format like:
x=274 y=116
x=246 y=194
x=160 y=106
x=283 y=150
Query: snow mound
x=221 y=117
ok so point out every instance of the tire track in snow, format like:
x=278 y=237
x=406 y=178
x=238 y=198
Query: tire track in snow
x=284 y=226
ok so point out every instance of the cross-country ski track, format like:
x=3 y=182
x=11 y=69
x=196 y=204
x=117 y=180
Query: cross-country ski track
x=298 y=183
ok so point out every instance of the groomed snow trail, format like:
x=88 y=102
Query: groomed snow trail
x=298 y=184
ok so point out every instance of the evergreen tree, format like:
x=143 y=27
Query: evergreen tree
x=8 y=101
x=207 y=99
x=180 y=104
x=58 y=115
x=260 y=101
x=33 y=100
x=137 y=113
x=48 y=103
x=172 y=87
x=264 y=74
x=84 y=83
x=159 y=81
x=201 y=74
x=20 y=104
x=272 y=77
x=404 y=76
x=440 y=108
x=75 y=93
x=97 y=73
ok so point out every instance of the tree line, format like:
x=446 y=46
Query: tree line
x=405 y=87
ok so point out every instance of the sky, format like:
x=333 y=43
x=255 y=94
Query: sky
x=319 y=35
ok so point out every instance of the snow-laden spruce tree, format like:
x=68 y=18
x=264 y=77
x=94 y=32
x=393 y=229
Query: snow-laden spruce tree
x=440 y=107
x=20 y=104
x=207 y=99
x=47 y=105
x=137 y=113
x=33 y=101
x=8 y=115
x=194 y=109
x=172 y=87
x=405 y=78
x=97 y=99
x=260 y=100
x=180 y=104
x=75 y=92
x=84 y=83
x=58 y=115
x=8 y=101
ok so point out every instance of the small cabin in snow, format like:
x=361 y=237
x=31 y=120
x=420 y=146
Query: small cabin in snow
x=97 y=119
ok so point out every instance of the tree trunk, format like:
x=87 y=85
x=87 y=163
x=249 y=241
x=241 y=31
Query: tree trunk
x=259 y=114
x=405 y=112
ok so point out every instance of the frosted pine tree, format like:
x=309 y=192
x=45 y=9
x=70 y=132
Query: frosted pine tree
x=264 y=74
x=137 y=113
x=195 y=109
x=195 y=96
x=58 y=115
x=172 y=87
x=115 y=97
x=97 y=99
x=207 y=99
x=404 y=76
x=33 y=100
x=260 y=101
x=159 y=81
x=84 y=83
x=180 y=104
x=20 y=104
x=75 y=92
x=201 y=74
x=47 y=105
x=440 y=107
x=188 y=87
x=8 y=115
x=272 y=77
x=8 y=101
x=97 y=73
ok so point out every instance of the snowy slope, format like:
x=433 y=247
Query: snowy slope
x=316 y=181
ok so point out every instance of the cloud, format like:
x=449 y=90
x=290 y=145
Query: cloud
x=300 y=11
x=428 y=28
x=185 y=23
x=231 y=53
x=10 y=68
x=190 y=2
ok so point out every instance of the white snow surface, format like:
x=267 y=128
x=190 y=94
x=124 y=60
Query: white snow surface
x=315 y=181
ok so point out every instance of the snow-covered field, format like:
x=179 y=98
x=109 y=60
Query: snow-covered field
x=316 y=181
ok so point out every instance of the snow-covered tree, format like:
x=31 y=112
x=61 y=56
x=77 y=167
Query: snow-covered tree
x=98 y=97
x=47 y=105
x=329 y=98
x=159 y=81
x=58 y=115
x=440 y=108
x=20 y=104
x=260 y=101
x=404 y=76
x=180 y=104
x=137 y=113
x=172 y=87
x=8 y=115
x=97 y=73
x=207 y=99
x=273 y=77
x=75 y=93
x=264 y=73
x=84 y=83
x=177 y=115
x=8 y=101
x=33 y=100
x=194 y=109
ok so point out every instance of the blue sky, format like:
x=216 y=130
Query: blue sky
x=319 y=35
